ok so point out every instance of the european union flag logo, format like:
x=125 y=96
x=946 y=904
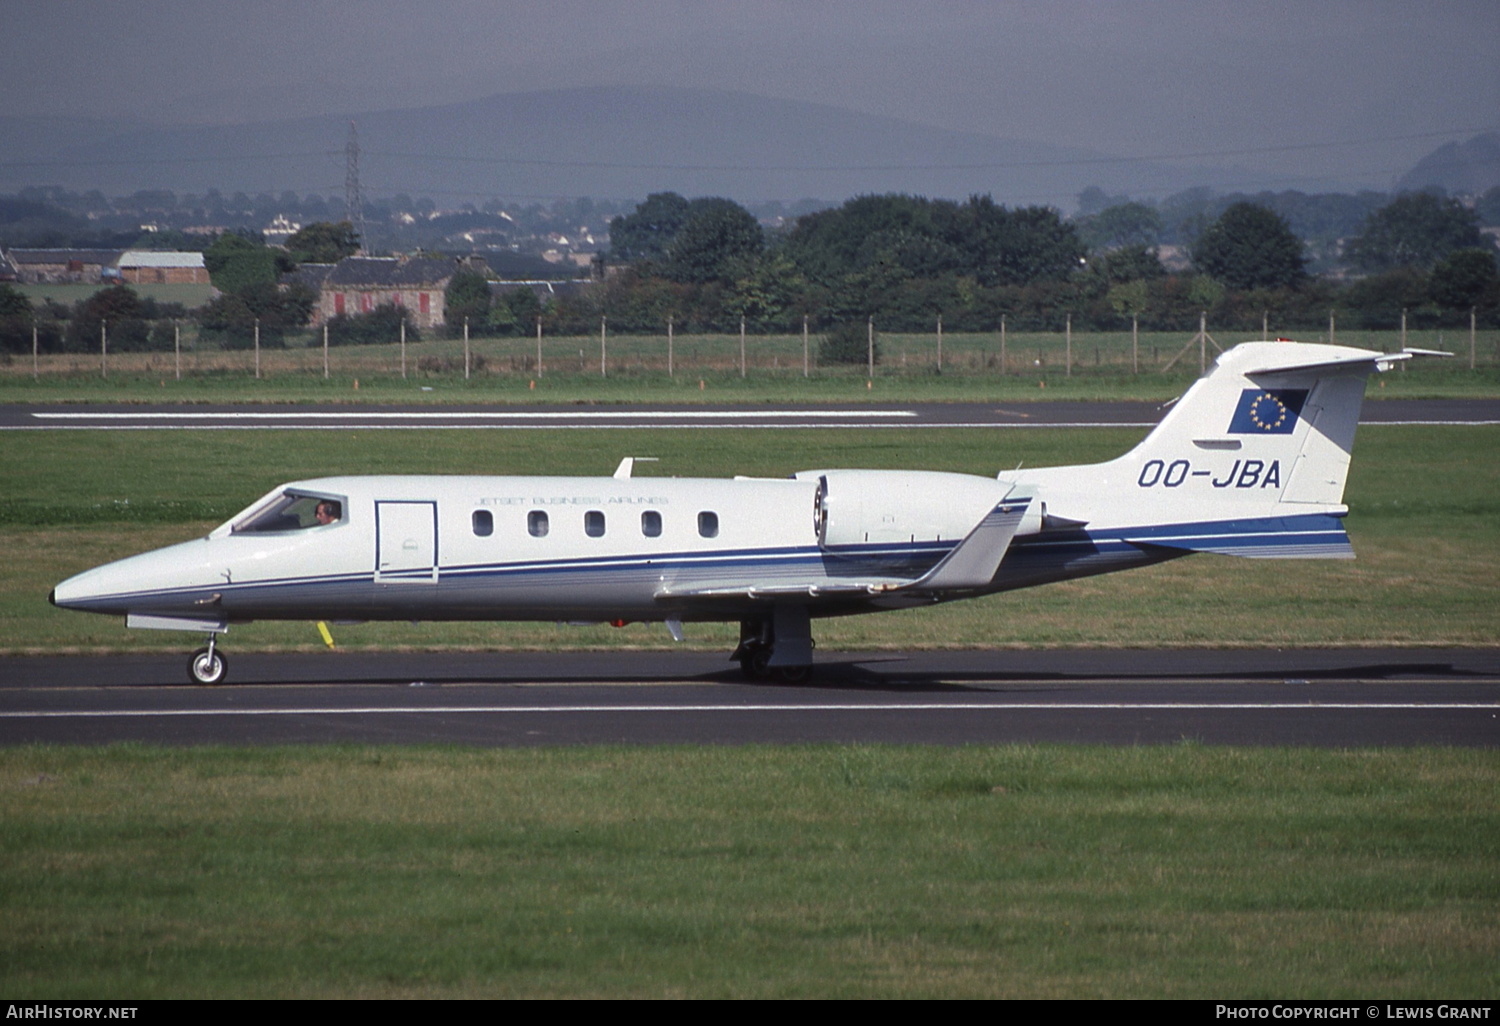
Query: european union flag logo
x=1264 y=411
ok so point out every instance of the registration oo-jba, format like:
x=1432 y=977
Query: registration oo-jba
x=1250 y=461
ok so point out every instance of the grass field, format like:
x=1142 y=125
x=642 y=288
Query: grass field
x=704 y=369
x=1425 y=522
x=190 y=296
x=1181 y=872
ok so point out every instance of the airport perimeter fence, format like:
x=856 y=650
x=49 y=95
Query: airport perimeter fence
x=1040 y=355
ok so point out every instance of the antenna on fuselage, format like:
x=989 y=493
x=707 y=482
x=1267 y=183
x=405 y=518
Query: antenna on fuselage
x=622 y=472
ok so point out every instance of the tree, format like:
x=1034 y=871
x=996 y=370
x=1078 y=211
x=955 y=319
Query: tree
x=121 y=308
x=524 y=306
x=1414 y=230
x=1462 y=279
x=232 y=317
x=847 y=343
x=236 y=260
x=1120 y=226
x=1131 y=263
x=467 y=296
x=380 y=326
x=717 y=235
x=13 y=302
x=16 y=318
x=1017 y=247
x=646 y=233
x=323 y=243
x=1250 y=247
x=1488 y=207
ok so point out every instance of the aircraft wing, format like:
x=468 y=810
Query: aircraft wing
x=970 y=565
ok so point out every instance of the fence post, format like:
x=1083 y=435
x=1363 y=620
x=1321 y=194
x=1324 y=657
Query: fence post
x=742 y=346
x=325 y=351
x=603 y=352
x=1472 y=312
x=103 y=349
x=1135 y=343
x=257 y=348
x=940 y=343
x=177 y=348
x=671 y=371
x=871 y=349
x=538 y=345
x=34 y=367
x=1002 y=345
x=804 y=345
x=466 y=349
x=1068 y=334
x=403 y=346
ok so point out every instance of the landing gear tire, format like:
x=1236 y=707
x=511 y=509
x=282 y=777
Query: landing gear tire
x=754 y=663
x=207 y=666
x=793 y=674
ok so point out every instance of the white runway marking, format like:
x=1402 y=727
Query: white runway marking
x=595 y=420
x=353 y=426
x=487 y=415
x=450 y=710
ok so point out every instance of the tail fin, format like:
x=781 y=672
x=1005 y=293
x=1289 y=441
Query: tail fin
x=1251 y=461
x=1283 y=416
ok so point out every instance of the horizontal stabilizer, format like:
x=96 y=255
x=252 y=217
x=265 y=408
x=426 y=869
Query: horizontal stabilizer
x=1357 y=361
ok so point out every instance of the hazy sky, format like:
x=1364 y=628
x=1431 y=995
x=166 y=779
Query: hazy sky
x=1360 y=88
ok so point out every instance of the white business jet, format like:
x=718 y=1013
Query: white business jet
x=1251 y=461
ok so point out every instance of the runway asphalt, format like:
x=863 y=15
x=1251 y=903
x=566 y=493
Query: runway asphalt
x=20 y=417
x=1319 y=697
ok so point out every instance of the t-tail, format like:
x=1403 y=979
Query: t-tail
x=1251 y=461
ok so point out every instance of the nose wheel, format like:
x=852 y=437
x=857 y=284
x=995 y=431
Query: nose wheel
x=208 y=665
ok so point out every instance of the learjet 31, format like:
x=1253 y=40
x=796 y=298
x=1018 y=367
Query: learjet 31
x=1251 y=462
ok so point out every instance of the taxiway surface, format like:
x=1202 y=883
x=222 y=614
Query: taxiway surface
x=1323 y=697
x=126 y=417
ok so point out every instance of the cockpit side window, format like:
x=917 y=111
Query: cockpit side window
x=293 y=511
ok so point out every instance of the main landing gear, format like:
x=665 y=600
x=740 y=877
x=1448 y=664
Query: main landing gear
x=208 y=665
x=778 y=646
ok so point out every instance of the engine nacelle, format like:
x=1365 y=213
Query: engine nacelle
x=856 y=507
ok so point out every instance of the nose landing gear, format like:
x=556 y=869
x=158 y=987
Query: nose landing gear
x=208 y=665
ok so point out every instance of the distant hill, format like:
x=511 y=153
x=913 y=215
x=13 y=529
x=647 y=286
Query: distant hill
x=1465 y=169
x=619 y=143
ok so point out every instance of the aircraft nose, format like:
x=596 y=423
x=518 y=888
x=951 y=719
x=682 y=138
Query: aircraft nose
x=52 y=596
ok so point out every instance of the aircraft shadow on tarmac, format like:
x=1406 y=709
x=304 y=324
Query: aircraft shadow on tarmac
x=892 y=674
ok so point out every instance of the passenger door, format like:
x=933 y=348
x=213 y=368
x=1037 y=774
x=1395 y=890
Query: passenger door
x=406 y=542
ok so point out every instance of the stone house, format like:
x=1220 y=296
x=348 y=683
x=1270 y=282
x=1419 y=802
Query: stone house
x=359 y=284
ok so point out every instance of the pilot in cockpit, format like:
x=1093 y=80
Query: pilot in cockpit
x=327 y=512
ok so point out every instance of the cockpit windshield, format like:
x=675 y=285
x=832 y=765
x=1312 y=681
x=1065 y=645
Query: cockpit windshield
x=292 y=511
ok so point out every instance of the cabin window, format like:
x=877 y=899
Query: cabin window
x=484 y=523
x=651 y=524
x=536 y=523
x=708 y=524
x=593 y=523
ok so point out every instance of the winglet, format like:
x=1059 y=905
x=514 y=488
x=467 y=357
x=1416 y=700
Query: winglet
x=972 y=564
